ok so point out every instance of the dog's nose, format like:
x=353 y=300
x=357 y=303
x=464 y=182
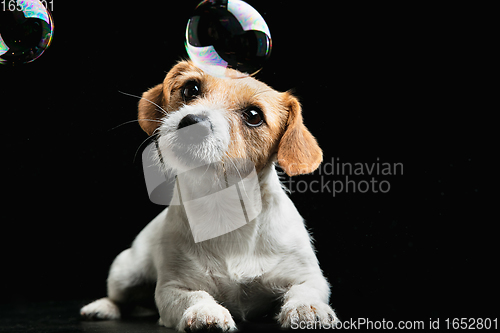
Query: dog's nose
x=191 y=119
x=194 y=134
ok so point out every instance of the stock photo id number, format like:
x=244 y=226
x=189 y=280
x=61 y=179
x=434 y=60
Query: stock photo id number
x=18 y=5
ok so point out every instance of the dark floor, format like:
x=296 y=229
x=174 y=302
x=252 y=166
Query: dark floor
x=45 y=317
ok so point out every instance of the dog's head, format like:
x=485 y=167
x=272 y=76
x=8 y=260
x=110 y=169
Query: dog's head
x=201 y=119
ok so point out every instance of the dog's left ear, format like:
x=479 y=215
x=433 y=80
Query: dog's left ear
x=298 y=151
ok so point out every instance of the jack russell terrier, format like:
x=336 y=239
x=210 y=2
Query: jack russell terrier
x=265 y=265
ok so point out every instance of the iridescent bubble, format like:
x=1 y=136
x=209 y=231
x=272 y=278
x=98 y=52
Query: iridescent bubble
x=26 y=29
x=223 y=35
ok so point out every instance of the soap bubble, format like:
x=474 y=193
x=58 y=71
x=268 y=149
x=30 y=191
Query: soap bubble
x=223 y=35
x=26 y=29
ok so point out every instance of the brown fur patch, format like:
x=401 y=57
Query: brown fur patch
x=298 y=151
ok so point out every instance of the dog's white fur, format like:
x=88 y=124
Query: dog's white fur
x=241 y=273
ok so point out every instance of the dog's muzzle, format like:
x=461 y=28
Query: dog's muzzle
x=194 y=129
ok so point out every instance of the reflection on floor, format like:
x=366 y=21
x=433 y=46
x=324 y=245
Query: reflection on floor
x=64 y=316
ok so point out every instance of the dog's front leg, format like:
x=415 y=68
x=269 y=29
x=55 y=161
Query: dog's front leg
x=307 y=304
x=192 y=310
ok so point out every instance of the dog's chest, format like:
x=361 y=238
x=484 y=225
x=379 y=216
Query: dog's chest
x=243 y=285
x=240 y=271
x=243 y=269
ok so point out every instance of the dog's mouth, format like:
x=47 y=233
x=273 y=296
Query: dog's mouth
x=193 y=130
x=192 y=141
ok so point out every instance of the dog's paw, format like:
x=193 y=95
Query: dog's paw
x=206 y=315
x=299 y=315
x=103 y=309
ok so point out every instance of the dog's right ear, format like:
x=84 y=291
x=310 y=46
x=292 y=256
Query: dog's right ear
x=149 y=109
x=157 y=98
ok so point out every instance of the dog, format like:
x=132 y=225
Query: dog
x=265 y=265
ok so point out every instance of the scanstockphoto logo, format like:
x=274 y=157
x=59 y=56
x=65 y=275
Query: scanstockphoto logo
x=338 y=177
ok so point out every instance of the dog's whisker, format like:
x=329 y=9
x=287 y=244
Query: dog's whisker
x=152 y=137
x=208 y=167
x=133 y=121
x=140 y=97
x=261 y=92
x=241 y=178
x=239 y=174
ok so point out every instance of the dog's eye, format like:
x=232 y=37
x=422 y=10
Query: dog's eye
x=190 y=90
x=253 y=117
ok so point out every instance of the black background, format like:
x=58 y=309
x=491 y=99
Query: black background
x=394 y=83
